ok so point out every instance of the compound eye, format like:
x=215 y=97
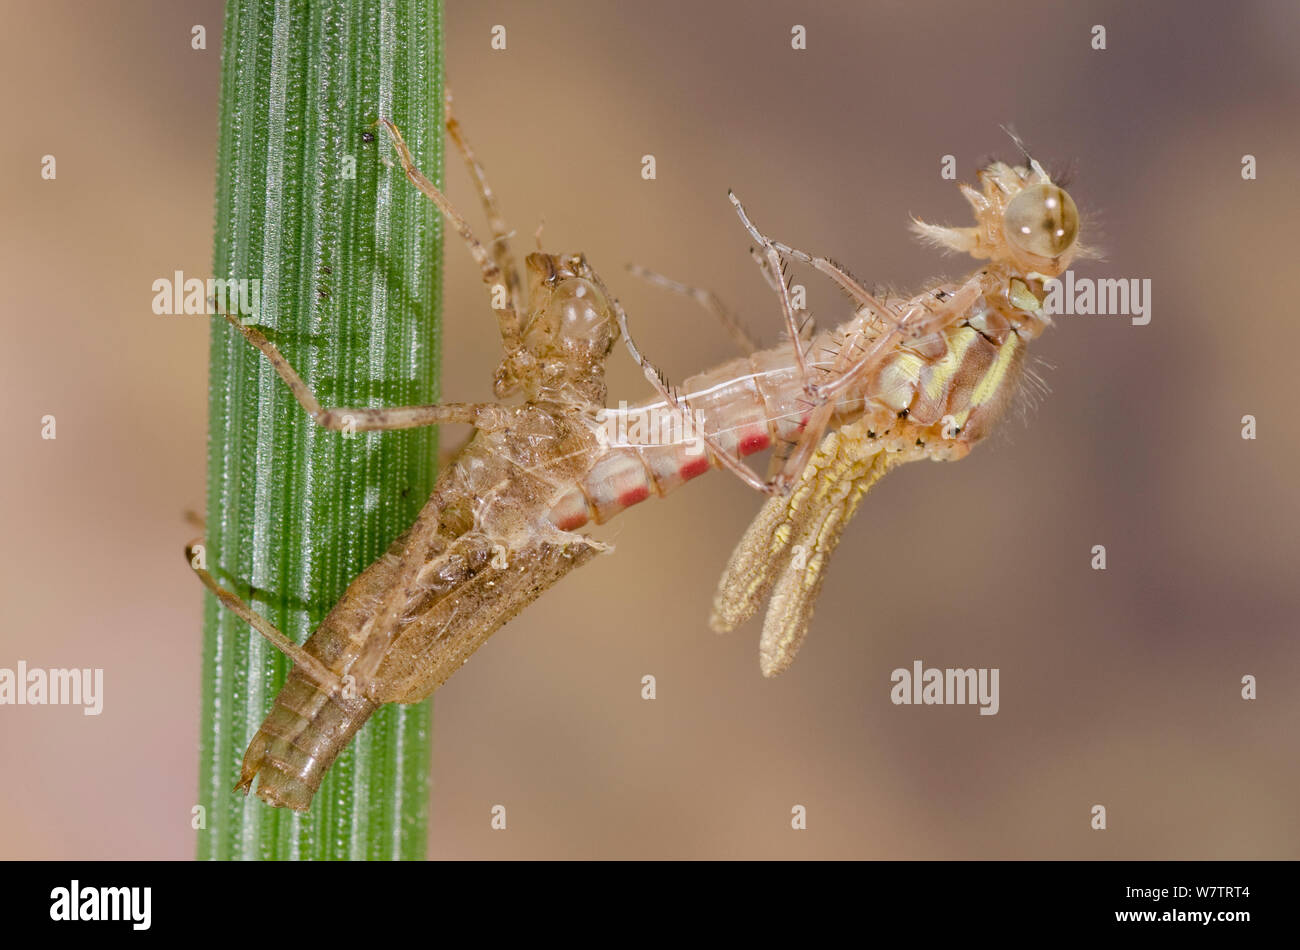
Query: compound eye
x=581 y=310
x=1041 y=220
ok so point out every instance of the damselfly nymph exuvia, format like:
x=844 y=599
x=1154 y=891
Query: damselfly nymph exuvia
x=904 y=378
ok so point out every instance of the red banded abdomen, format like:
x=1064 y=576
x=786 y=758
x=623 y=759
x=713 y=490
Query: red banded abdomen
x=949 y=392
x=746 y=405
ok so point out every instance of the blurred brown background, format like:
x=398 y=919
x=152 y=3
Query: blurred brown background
x=1118 y=687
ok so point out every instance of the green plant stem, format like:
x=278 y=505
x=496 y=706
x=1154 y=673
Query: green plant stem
x=348 y=255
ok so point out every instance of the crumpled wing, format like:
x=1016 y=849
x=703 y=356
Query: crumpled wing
x=786 y=550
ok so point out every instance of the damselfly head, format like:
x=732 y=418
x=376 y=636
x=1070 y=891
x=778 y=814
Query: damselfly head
x=569 y=314
x=1041 y=221
x=1023 y=219
x=567 y=332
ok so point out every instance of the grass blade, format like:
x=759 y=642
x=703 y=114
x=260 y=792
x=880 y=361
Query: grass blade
x=348 y=256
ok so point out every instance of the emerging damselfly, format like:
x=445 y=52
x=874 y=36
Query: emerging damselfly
x=904 y=378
